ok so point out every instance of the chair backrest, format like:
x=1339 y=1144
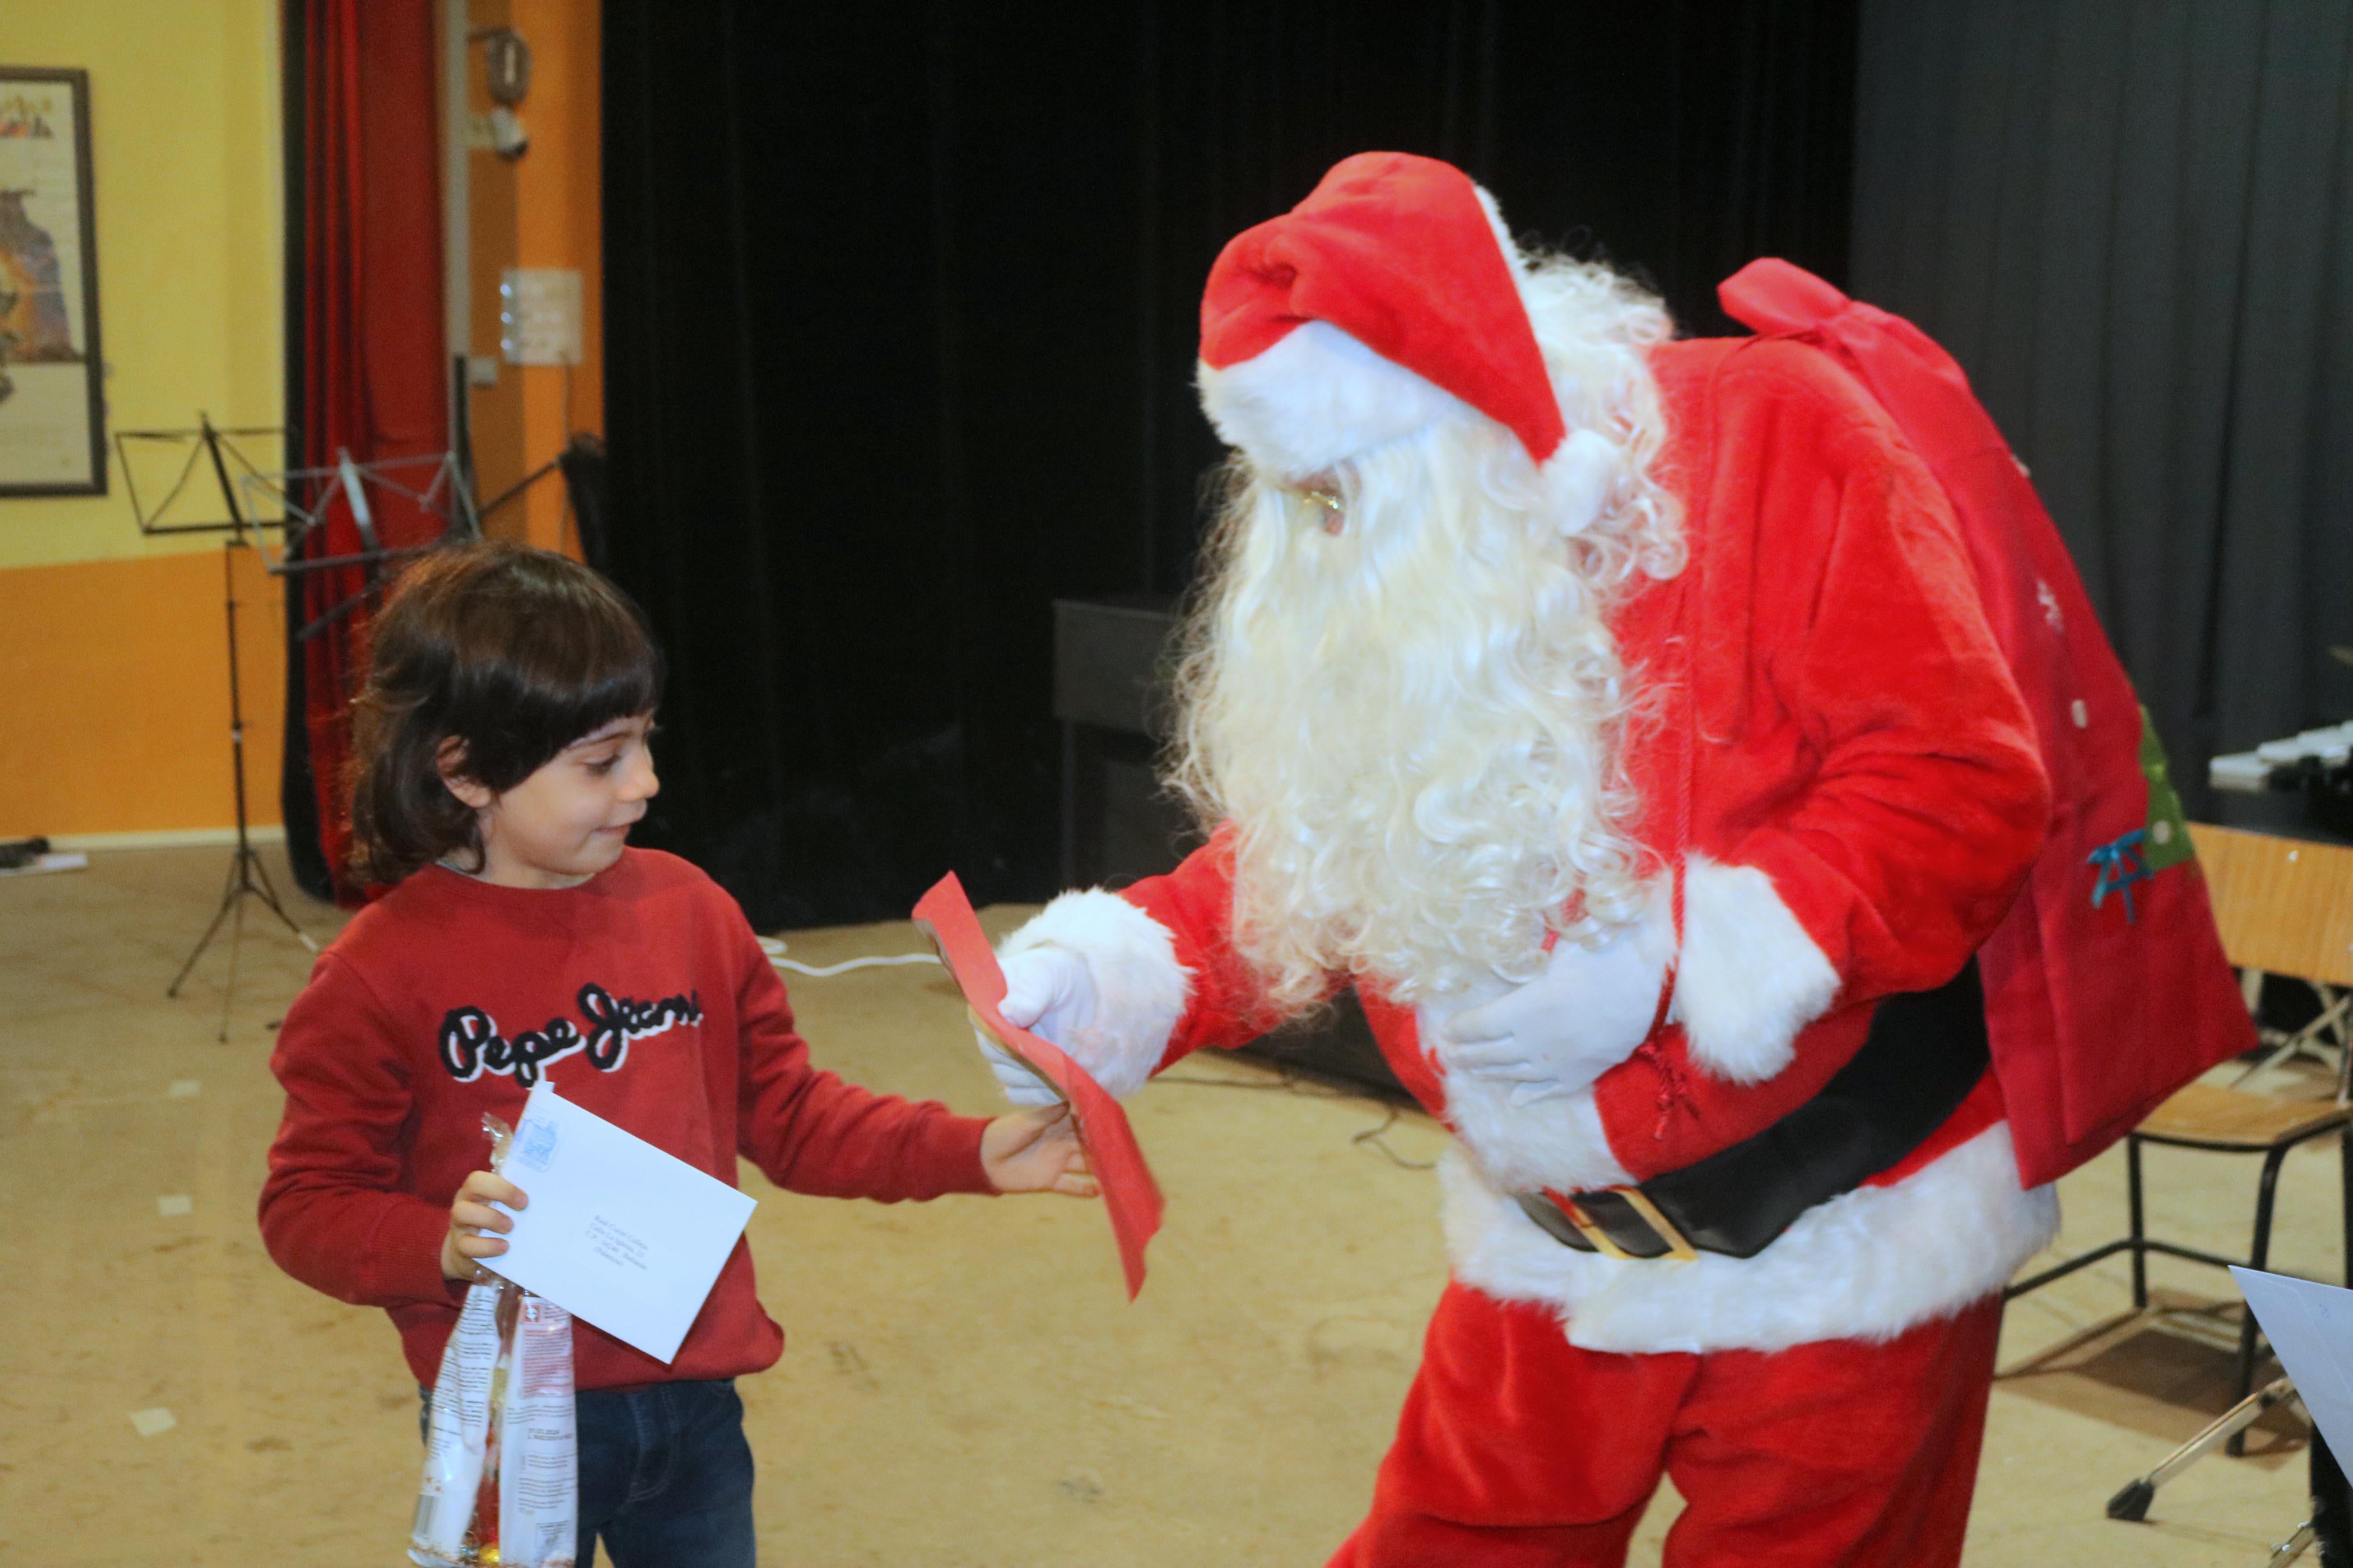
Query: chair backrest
x=2282 y=905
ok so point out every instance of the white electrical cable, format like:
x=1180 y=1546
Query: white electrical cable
x=774 y=948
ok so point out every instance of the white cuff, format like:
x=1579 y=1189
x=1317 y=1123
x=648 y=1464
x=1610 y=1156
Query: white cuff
x=1140 y=988
x=1554 y=1143
x=1748 y=977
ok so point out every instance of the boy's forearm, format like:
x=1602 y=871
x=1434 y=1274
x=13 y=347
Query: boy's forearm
x=811 y=1132
x=826 y=1138
x=368 y=1247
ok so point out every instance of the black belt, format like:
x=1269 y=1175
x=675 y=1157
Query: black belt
x=1925 y=1051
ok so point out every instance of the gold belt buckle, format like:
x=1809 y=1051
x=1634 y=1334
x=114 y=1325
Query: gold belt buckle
x=1679 y=1247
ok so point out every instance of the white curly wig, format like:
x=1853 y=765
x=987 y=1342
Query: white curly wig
x=1414 y=724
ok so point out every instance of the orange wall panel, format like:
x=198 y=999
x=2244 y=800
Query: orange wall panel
x=544 y=209
x=114 y=709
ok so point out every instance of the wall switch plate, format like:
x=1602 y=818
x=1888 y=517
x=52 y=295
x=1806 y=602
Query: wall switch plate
x=481 y=370
x=539 y=315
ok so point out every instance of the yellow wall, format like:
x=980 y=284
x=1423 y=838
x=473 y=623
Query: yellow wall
x=113 y=670
x=184 y=149
x=113 y=673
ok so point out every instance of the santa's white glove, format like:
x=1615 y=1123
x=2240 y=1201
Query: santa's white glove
x=1583 y=1015
x=1049 y=991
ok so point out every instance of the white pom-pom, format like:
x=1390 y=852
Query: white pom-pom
x=1578 y=478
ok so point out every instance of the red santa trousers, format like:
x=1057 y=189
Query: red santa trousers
x=1519 y=1450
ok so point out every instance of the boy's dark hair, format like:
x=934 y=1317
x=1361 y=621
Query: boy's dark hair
x=514 y=653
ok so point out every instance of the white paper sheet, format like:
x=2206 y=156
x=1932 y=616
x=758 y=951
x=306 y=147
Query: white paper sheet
x=2310 y=1327
x=67 y=860
x=616 y=1232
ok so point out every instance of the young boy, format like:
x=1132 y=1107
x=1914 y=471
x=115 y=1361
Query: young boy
x=501 y=759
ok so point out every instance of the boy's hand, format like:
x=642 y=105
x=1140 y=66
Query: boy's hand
x=473 y=1223
x=1033 y=1151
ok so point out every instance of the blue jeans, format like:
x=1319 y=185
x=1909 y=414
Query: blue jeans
x=665 y=1477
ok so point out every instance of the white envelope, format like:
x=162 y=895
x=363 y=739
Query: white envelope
x=616 y=1232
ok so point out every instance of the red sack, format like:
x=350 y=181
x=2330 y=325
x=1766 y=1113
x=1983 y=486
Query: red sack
x=2105 y=986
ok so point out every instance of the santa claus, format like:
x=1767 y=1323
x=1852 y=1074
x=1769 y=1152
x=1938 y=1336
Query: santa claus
x=1618 y=716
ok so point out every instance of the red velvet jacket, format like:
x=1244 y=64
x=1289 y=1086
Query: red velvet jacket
x=1852 y=733
x=2111 y=939
x=1847 y=769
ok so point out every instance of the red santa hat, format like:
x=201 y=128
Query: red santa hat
x=1386 y=300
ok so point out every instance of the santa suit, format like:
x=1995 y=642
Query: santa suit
x=1839 y=762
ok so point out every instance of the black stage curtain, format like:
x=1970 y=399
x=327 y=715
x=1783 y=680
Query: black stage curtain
x=2130 y=223
x=900 y=324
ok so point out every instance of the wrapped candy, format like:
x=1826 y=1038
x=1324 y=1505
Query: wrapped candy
x=501 y=1459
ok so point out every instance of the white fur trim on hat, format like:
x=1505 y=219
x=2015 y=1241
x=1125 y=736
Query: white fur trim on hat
x=1748 y=977
x=1868 y=1264
x=1317 y=397
x=1140 y=988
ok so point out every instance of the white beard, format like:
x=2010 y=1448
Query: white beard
x=1413 y=726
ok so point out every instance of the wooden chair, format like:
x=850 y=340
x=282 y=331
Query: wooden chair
x=2283 y=907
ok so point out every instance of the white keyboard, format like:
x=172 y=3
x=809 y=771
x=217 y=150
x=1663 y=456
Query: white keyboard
x=2249 y=773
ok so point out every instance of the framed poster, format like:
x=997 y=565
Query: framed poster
x=52 y=408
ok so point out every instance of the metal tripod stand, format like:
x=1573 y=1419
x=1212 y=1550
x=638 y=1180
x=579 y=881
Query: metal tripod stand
x=247 y=876
x=447 y=493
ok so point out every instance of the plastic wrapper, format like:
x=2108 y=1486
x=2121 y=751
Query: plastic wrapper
x=502 y=1457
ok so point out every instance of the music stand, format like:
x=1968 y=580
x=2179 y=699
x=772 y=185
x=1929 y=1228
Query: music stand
x=247 y=876
x=446 y=494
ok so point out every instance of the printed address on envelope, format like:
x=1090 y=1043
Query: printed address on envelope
x=617 y=1232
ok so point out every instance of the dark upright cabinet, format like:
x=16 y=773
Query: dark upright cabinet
x=1113 y=659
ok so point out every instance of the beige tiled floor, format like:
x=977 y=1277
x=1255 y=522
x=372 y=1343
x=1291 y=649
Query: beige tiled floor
x=965 y=1385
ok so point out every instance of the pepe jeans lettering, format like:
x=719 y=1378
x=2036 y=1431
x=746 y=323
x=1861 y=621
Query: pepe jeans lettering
x=471 y=1044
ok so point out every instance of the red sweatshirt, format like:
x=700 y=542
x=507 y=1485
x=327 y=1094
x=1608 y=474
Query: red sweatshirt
x=644 y=996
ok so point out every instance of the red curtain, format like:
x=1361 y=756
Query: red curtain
x=374 y=367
